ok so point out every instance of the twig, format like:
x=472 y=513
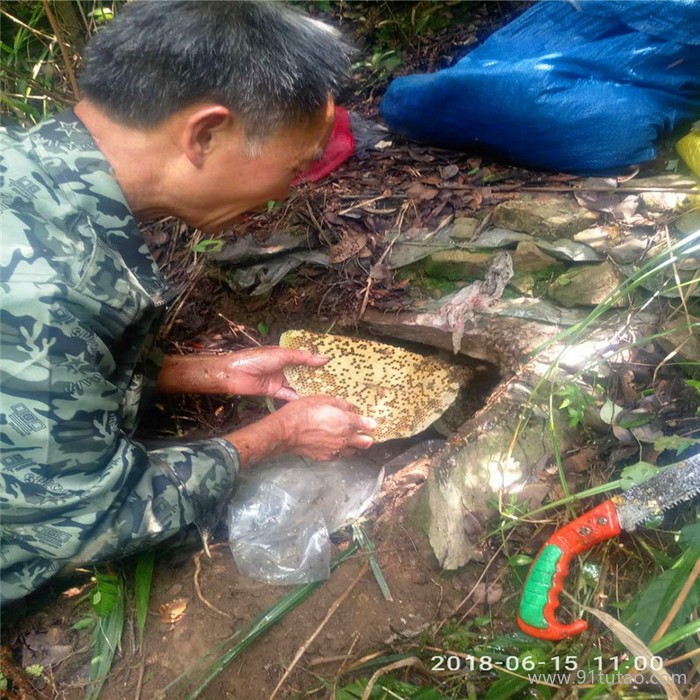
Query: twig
x=197 y=588
x=38 y=33
x=368 y=286
x=322 y=660
x=479 y=580
x=341 y=669
x=411 y=661
x=677 y=603
x=683 y=657
x=363 y=204
x=62 y=45
x=239 y=328
x=317 y=631
x=32 y=83
x=322 y=234
x=139 y=684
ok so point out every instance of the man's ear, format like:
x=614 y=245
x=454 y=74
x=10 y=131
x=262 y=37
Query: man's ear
x=199 y=130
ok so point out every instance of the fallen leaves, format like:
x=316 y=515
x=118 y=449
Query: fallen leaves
x=173 y=611
x=351 y=243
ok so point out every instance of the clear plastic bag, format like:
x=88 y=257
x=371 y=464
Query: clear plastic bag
x=284 y=511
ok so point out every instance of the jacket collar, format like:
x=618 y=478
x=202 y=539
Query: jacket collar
x=73 y=159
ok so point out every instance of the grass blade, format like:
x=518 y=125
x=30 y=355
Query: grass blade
x=107 y=634
x=367 y=546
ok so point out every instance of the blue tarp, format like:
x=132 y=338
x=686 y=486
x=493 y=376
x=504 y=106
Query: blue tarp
x=585 y=87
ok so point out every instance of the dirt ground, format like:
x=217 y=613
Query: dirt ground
x=364 y=622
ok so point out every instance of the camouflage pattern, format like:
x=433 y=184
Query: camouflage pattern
x=81 y=303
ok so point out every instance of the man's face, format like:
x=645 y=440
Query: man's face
x=232 y=182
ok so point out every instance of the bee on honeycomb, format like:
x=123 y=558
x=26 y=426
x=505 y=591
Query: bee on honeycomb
x=403 y=391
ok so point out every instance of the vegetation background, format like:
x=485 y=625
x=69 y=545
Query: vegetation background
x=41 y=44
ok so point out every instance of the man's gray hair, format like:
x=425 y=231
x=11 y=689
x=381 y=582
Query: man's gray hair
x=271 y=65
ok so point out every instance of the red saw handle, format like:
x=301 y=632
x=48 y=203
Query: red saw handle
x=547 y=575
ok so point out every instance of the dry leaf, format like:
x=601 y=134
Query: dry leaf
x=637 y=650
x=350 y=244
x=449 y=171
x=417 y=190
x=172 y=611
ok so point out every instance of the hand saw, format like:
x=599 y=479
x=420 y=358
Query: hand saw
x=622 y=512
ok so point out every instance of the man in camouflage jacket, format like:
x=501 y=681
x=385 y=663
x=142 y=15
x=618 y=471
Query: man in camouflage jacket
x=83 y=300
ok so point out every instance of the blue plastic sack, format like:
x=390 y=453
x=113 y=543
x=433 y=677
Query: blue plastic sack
x=586 y=88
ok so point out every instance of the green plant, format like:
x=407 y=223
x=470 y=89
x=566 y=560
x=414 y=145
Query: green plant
x=648 y=609
x=108 y=601
x=209 y=245
x=40 y=47
x=575 y=402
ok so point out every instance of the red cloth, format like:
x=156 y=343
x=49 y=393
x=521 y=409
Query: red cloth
x=341 y=146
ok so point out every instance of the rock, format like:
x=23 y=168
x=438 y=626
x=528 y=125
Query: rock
x=587 y=285
x=479 y=462
x=529 y=258
x=684 y=341
x=624 y=246
x=553 y=217
x=501 y=334
x=495 y=451
x=464 y=227
x=663 y=201
x=689 y=222
x=458 y=264
x=531 y=265
x=407 y=249
x=525 y=283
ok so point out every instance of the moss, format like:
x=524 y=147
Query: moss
x=419 y=511
x=535 y=282
x=423 y=283
x=464 y=266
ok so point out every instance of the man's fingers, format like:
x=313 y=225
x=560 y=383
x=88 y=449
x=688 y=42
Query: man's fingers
x=359 y=441
x=286 y=393
x=365 y=424
x=334 y=401
x=304 y=357
x=316 y=360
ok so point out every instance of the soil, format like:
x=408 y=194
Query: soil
x=364 y=623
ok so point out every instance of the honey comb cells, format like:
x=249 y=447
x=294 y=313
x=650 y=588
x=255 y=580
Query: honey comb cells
x=403 y=391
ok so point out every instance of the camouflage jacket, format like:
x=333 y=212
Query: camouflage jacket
x=81 y=303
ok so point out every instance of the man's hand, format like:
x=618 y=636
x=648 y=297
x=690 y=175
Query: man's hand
x=317 y=427
x=254 y=372
x=325 y=427
x=259 y=371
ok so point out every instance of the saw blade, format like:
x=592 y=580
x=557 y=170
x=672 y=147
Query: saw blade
x=661 y=492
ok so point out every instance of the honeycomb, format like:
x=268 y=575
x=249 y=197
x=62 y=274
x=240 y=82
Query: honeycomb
x=403 y=391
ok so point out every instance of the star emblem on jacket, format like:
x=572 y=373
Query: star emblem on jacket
x=76 y=363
